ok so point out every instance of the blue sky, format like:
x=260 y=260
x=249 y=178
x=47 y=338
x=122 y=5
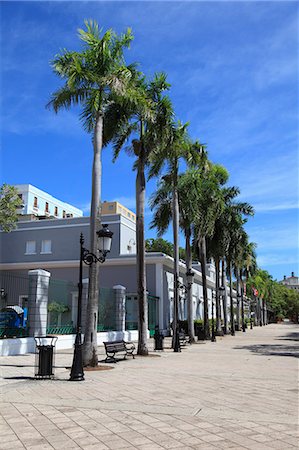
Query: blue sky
x=233 y=67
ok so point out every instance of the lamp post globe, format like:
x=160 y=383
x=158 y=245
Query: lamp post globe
x=104 y=240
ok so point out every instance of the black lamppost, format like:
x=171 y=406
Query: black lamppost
x=213 y=338
x=251 y=313
x=86 y=257
x=221 y=295
x=183 y=290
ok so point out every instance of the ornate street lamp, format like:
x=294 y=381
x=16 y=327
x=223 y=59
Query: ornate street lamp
x=88 y=258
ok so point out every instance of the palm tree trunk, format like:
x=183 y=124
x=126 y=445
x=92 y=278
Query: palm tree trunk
x=224 y=297
x=90 y=356
x=242 y=301
x=218 y=307
x=238 y=289
x=189 y=287
x=203 y=264
x=140 y=249
x=176 y=270
x=232 y=321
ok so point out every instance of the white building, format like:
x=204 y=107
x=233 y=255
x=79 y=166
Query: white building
x=39 y=203
x=291 y=282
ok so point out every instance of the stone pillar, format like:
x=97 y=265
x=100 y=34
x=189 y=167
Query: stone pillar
x=120 y=307
x=38 y=302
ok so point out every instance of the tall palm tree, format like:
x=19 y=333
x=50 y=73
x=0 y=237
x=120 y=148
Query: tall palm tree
x=210 y=205
x=94 y=78
x=161 y=202
x=176 y=145
x=142 y=118
x=216 y=248
x=234 y=213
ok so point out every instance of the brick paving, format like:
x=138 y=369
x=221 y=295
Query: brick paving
x=238 y=393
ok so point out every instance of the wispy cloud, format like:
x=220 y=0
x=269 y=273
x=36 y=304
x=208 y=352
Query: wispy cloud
x=265 y=207
x=282 y=237
x=276 y=260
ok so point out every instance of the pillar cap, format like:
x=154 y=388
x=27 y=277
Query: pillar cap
x=119 y=286
x=42 y=272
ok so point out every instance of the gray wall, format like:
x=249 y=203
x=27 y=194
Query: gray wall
x=64 y=235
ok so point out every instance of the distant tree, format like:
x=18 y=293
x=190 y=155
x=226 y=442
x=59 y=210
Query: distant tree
x=159 y=245
x=9 y=204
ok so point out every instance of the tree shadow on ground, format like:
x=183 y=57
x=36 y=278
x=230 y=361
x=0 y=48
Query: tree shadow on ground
x=272 y=350
x=289 y=337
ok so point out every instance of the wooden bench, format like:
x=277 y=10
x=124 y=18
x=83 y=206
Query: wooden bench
x=114 y=347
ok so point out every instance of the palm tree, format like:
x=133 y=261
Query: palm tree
x=234 y=213
x=161 y=202
x=210 y=205
x=144 y=119
x=176 y=145
x=94 y=78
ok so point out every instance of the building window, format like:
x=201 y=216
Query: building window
x=30 y=248
x=46 y=246
x=20 y=196
x=63 y=214
x=110 y=207
x=35 y=202
x=56 y=211
x=47 y=207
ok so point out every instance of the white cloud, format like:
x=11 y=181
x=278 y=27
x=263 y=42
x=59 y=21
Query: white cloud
x=276 y=260
x=268 y=207
x=283 y=238
x=128 y=202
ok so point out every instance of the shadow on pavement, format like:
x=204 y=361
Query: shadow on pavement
x=289 y=337
x=272 y=350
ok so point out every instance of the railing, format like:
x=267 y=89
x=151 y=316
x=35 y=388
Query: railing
x=13 y=332
x=105 y=328
x=62 y=329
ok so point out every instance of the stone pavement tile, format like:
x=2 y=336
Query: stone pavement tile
x=101 y=432
x=170 y=443
x=39 y=447
x=192 y=441
x=279 y=427
x=280 y=445
x=150 y=446
x=11 y=445
x=261 y=438
x=266 y=446
x=180 y=435
x=278 y=435
x=291 y=440
x=87 y=440
x=209 y=437
x=98 y=446
x=225 y=444
x=69 y=445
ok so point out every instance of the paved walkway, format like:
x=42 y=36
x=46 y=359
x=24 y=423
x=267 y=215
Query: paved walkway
x=239 y=393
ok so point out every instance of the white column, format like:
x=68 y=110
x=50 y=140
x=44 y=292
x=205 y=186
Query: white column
x=120 y=307
x=38 y=302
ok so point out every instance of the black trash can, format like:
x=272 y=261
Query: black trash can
x=158 y=339
x=45 y=346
